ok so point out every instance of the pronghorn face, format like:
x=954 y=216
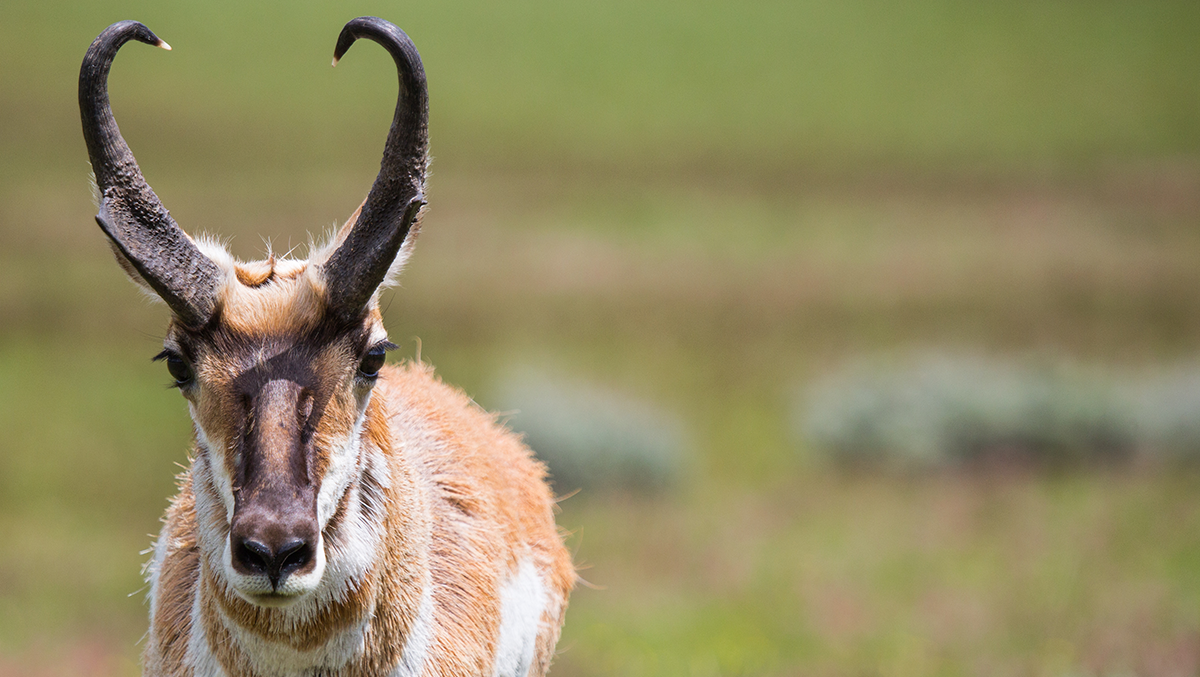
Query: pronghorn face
x=278 y=389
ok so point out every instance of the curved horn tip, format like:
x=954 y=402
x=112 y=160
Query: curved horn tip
x=359 y=27
x=137 y=31
x=385 y=222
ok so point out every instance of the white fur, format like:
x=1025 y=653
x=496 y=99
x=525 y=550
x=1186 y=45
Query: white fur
x=214 y=458
x=152 y=569
x=200 y=656
x=419 y=640
x=522 y=603
x=212 y=524
x=211 y=246
x=276 y=659
x=343 y=466
x=359 y=538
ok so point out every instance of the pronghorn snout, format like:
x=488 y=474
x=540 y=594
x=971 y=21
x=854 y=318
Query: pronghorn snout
x=274 y=538
x=274 y=549
x=274 y=552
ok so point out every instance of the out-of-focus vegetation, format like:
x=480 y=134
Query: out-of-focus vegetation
x=592 y=439
x=941 y=410
x=699 y=205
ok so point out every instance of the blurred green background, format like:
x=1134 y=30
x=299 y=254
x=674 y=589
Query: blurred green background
x=673 y=221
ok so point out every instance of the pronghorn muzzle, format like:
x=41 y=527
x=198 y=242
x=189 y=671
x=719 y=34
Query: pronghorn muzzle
x=274 y=531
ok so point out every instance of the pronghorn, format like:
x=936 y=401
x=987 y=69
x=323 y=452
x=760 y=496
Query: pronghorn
x=339 y=516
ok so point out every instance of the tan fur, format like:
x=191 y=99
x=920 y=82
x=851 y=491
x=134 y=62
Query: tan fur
x=262 y=301
x=488 y=495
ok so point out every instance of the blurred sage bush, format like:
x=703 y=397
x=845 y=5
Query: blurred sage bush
x=592 y=438
x=1166 y=407
x=935 y=411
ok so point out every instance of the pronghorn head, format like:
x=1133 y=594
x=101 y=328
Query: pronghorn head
x=276 y=358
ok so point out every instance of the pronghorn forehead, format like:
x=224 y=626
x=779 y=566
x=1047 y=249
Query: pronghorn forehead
x=272 y=297
x=235 y=342
x=256 y=301
x=270 y=310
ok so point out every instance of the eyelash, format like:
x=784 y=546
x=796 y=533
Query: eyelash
x=180 y=370
x=373 y=361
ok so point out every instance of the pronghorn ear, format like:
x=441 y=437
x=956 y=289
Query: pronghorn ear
x=127 y=265
x=322 y=253
x=406 y=249
x=207 y=247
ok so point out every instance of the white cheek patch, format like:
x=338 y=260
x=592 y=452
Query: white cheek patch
x=212 y=525
x=343 y=467
x=356 y=548
x=522 y=602
x=217 y=470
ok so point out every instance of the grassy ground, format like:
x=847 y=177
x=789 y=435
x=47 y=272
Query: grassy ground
x=703 y=205
x=938 y=576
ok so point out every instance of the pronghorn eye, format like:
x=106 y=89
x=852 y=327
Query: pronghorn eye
x=373 y=362
x=180 y=371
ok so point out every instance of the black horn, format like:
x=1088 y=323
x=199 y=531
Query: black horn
x=361 y=261
x=131 y=215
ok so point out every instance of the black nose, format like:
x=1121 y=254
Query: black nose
x=258 y=557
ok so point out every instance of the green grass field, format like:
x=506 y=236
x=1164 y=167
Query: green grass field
x=702 y=205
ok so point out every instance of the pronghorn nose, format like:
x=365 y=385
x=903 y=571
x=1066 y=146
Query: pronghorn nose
x=258 y=557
